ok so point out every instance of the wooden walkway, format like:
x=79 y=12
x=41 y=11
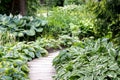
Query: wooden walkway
x=41 y=68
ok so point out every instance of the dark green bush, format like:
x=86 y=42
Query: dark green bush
x=108 y=17
x=72 y=20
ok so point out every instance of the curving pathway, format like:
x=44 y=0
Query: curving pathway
x=41 y=68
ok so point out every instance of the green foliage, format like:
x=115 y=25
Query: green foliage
x=32 y=6
x=67 y=41
x=77 y=2
x=62 y=41
x=20 y=26
x=14 y=58
x=13 y=70
x=6 y=37
x=72 y=20
x=48 y=43
x=108 y=17
x=88 y=60
x=83 y=60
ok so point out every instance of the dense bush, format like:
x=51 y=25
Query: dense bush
x=32 y=7
x=108 y=17
x=88 y=60
x=72 y=20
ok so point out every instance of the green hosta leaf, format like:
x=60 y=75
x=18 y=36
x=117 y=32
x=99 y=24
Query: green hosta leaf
x=25 y=68
x=15 y=33
x=5 y=20
x=113 y=66
x=6 y=78
x=26 y=51
x=20 y=34
x=38 y=54
x=100 y=77
x=69 y=66
x=18 y=62
x=43 y=23
x=109 y=45
x=2 y=70
x=20 y=22
x=112 y=74
x=30 y=32
x=11 y=25
x=39 y=29
x=36 y=23
x=112 y=52
x=31 y=54
x=31 y=49
x=43 y=52
x=2 y=29
x=88 y=78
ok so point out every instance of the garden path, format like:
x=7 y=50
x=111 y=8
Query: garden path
x=41 y=68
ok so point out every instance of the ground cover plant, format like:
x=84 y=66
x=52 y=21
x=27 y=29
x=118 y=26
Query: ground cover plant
x=14 y=57
x=22 y=26
x=88 y=60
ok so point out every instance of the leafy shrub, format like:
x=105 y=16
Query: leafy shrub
x=71 y=20
x=32 y=7
x=67 y=41
x=48 y=43
x=88 y=60
x=107 y=14
x=62 y=41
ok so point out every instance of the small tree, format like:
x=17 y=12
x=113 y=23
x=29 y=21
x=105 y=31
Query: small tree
x=22 y=7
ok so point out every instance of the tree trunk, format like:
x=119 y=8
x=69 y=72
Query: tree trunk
x=42 y=1
x=22 y=7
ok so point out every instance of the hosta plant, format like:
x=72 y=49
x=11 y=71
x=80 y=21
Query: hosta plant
x=14 y=58
x=88 y=60
x=22 y=26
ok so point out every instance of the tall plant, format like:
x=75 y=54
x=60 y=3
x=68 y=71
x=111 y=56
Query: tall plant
x=108 y=17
